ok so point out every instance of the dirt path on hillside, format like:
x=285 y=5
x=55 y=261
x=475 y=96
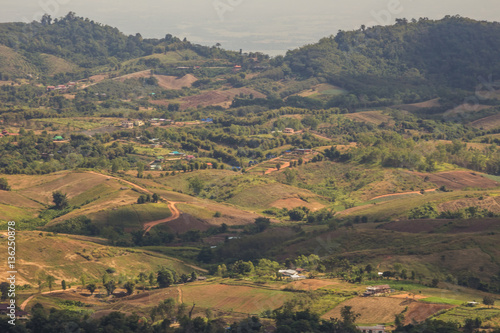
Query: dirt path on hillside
x=403 y=193
x=25 y=303
x=175 y=214
x=171 y=205
x=180 y=295
x=123 y=180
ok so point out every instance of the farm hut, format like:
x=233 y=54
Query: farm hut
x=209 y=165
x=127 y=124
x=58 y=138
x=176 y=153
x=288 y=130
x=377 y=290
x=296 y=277
x=155 y=166
x=288 y=272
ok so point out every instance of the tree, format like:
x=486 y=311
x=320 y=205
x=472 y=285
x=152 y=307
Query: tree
x=196 y=185
x=156 y=197
x=489 y=301
x=296 y=214
x=60 y=200
x=129 y=286
x=140 y=170
x=50 y=281
x=348 y=316
x=39 y=281
x=194 y=276
x=91 y=287
x=262 y=223
x=164 y=278
x=63 y=284
x=4 y=184
x=110 y=287
x=83 y=278
x=141 y=199
x=151 y=279
x=278 y=166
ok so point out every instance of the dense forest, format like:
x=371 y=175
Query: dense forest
x=409 y=61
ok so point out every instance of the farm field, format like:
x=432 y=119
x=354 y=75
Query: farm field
x=372 y=117
x=382 y=310
x=239 y=299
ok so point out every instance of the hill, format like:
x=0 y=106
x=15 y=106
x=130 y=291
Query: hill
x=69 y=257
x=406 y=61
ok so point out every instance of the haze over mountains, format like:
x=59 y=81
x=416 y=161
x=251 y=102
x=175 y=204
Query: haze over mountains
x=169 y=186
x=270 y=27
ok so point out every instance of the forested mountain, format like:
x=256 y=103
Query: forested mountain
x=423 y=55
x=87 y=43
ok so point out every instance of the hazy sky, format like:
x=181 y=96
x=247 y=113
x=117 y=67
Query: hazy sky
x=270 y=26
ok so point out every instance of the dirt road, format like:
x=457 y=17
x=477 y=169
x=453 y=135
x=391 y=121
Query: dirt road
x=175 y=214
x=403 y=193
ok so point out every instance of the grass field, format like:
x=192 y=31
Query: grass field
x=240 y=299
x=489 y=317
x=77 y=123
x=67 y=257
x=14 y=64
x=132 y=216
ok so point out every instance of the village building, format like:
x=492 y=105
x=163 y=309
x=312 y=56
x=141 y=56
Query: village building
x=176 y=153
x=156 y=166
x=377 y=290
x=139 y=123
x=291 y=274
x=127 y=124
x=189 y=157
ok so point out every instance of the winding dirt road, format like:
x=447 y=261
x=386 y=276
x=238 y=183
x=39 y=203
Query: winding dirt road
x=175 y=214
x=403 y=193
x=171 y=205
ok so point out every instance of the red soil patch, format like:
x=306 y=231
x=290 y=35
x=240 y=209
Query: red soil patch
x=457 y=180
x=164 y=81
x=426 y=226
x=217 y=97
x=309 y=284
x=416 y=106
x=291 y=203
x=409 y=296
x=419 y=311
x=173 y=82
x=372 y=117
x=186 y=222
x=487 y=122
x=415 y=226
x=383 y=309
x=489 y=203
x=465 y=108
